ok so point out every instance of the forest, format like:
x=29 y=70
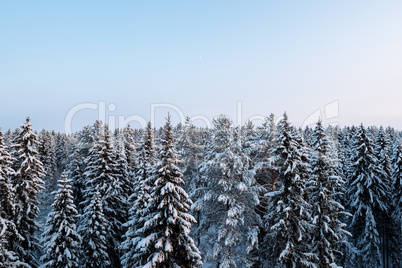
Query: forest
x=271 y=195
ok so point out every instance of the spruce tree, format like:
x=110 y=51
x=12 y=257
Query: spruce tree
x=130 y=149
x=8 y=231
x=61 y=240
x=103 y=176
x=76 y=175
x=93 y=233
x=287 y=219
x=227 y=200
x=328 y=232
x=387 y=231
x=144 y=181
x=164 y=239
x=27 y=183
x=397 y=200
x=47 y=155
x=366 y=192
x=7 y=193
x=190 y=149
x=122 y=174
x=61 y=152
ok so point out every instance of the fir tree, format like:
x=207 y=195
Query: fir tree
x=61 y=240
x=27 y=183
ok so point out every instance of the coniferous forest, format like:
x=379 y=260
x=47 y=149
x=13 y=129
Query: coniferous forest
x=270 y=195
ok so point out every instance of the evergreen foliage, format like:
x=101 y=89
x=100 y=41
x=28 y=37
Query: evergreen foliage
x=27 y=184
x=61 y=240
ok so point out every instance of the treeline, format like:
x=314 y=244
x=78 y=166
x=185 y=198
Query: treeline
x=266 y=196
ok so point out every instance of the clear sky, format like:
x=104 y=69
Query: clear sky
x=201 y=56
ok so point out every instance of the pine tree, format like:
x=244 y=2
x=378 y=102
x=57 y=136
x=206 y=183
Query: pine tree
x=8 y=231
x=328 y=233
x=93 y=233
x=61 y=239
x=287 y=221
x=165 y=238
x=227 y=200
x=144 y=181
x=366 y=193
x=27 y=183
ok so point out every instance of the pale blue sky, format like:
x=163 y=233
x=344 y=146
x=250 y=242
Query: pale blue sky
x=201 y=56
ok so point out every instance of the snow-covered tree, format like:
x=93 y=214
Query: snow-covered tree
x=93 y=232
x=397 y=200
x=328 y=232
x=122 y=173
x=102 y=176
x=8 y=231
x=164 y=240
x=47 y=155
x=249 y=141
x=366 y=192
x=27 y=183
x=61 y=152
x=144 y=181
x=226 y=200
x=61 y=240
x=7 y=198
x=287 y=219
x=8 y=235
x=130 y=149
x=190 y=149
x=386 y=228
x=76 y=175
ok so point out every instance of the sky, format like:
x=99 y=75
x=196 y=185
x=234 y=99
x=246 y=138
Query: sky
x=68 y=63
